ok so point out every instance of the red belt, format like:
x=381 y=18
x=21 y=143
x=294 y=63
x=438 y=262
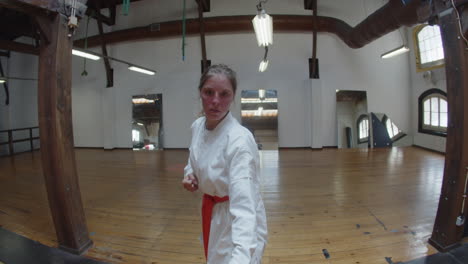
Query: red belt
x=207 y=210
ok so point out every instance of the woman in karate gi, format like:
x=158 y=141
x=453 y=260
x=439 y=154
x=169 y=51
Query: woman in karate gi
x=224 y=165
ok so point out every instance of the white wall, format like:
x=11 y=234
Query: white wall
x=22 y=110
x=102 y=116
x=419 y=85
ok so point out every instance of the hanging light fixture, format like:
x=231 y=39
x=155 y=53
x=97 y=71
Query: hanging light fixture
x=400 y=50
x=85 y=54
x=264 y=63
x=394 y=52
x=96 y=56
x=263 y=66
x=263 y=26
x=138 y=69
x=261 y=94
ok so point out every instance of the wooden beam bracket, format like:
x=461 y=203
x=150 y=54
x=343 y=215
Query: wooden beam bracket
x=205 y=5
x=41 y=24
x=309 y=4
x=96 y=14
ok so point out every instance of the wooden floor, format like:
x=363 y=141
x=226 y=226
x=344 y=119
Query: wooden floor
x=360 y=205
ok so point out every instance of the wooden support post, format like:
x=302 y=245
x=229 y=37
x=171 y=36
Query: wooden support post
x=31 y=139
x=107 y=66
x=202 y=35
x=10 y=142
x=57 y=148
x=314 y=41
x=446 y=234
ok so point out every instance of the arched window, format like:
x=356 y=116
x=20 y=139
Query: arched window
x=433 y=112
x=363 y=129
x=428 y=46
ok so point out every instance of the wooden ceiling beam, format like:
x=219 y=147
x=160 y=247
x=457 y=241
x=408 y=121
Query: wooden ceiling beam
x=18 y=47
x=388 y=18
x=32 y=7
x=17 y=27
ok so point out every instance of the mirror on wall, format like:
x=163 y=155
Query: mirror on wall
x=147 y=122
x=352 y=119
x=386 y=133
x=259 y=113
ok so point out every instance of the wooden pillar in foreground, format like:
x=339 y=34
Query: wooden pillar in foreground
x=446 y=234
x=57 y=148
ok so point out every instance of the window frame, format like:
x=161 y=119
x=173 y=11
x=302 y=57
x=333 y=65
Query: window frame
x=360 y=118
x=434 y=92
x=429 y=65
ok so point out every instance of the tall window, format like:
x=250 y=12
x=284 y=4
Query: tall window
x=428 y=45
x=363 y=129
x=433 y=112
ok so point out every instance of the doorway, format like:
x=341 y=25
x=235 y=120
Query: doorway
x=147 y=122
x=259 y=112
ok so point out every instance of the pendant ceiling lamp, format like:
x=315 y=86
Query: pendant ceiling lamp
x=263 y=26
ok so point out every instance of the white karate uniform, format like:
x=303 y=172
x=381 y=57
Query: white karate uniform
x=226 y=163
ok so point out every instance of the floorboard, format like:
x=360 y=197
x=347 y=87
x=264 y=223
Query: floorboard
x=362 y=206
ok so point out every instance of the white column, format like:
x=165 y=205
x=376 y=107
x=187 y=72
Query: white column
x=108 y=118
x=314 y=87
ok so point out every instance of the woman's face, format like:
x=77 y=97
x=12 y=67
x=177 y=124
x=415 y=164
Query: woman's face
x=217 y=95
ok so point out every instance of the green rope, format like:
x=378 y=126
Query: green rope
x=183 y=33
x=125 y=7
x=85 y=73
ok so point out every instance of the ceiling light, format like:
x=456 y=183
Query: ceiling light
x=259 y=111
x=263 y=66
x=85 y=54
x=263 y=26
x=2 y=81
x=395 y=52
x=261 y=94
x=138 y=69
x=142 y=101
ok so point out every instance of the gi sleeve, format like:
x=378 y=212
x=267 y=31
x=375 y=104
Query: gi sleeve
x=188 y=168
x=242 y=205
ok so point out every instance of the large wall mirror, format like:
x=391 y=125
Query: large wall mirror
x=259 y=111
x=147 y=125
x=352 y=119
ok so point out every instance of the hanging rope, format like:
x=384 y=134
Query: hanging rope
x=85 y=73
x=183 y=33
x=125 y=7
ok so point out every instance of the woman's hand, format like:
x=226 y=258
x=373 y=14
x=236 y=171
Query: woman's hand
x=190 y=182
